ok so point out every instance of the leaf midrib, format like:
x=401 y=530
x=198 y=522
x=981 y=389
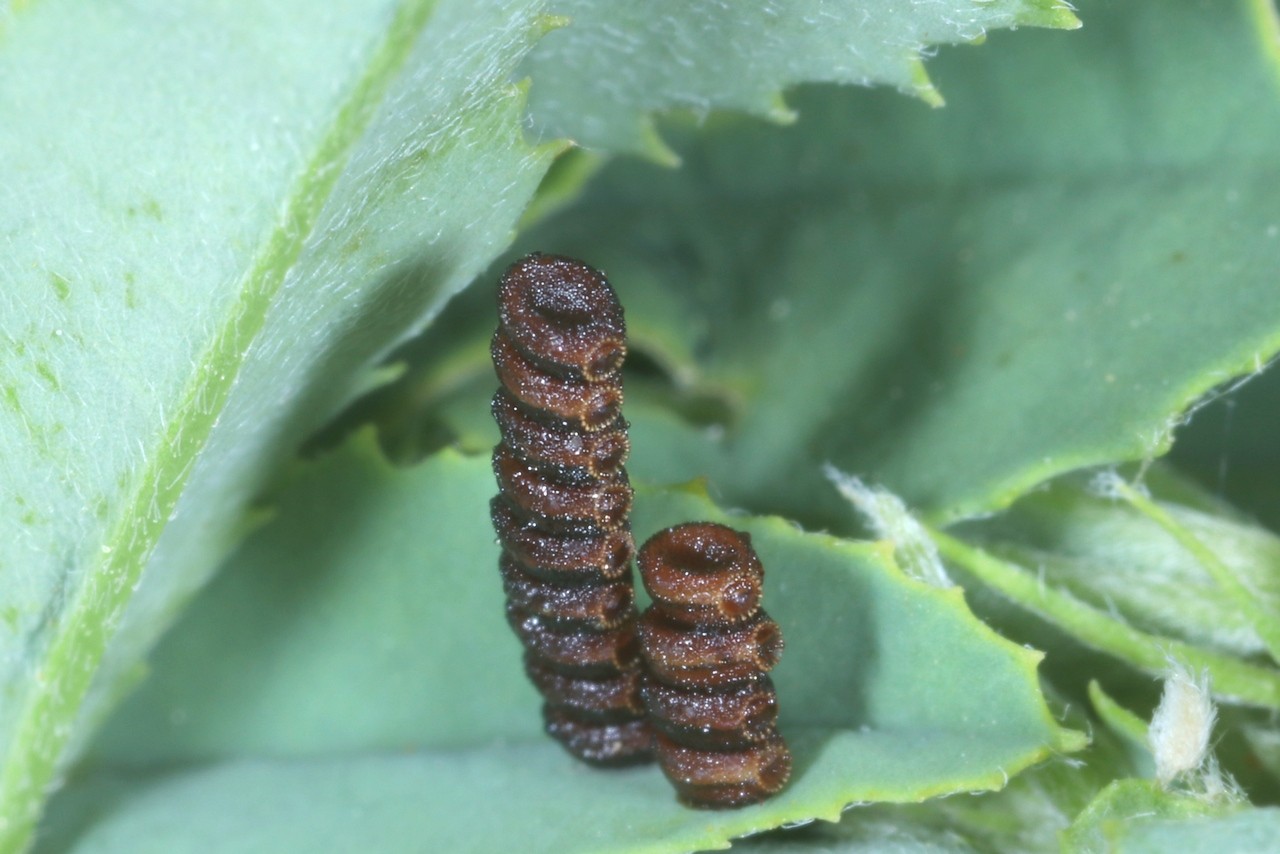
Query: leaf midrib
x=44 y=721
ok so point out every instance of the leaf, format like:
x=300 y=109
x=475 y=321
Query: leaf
x=719 y=56
x=370 y=646
x=962 y=304
x=1123 y=582
x=1131 y=729
x=1233 y=680
x=1250 y=830
x=1170 y=563
x=1250 y=582
x=1027 y=815
x=1126 y=803
x=1243 y=743
x=229 y=218
x=865 y=829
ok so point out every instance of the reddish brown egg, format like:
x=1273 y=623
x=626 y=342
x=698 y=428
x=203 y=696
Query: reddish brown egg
x=575 y=651
x=589 y=406
x=559 y=444
x=563 y=314
x=599 y=606
x=615 y=697
x=577 y=557
x=606 y=744
x=725 y=778
x=563 y=504
x=709 y=654
x=707 y=648
x=702 y=573
x=744 y=712
x=574 y=500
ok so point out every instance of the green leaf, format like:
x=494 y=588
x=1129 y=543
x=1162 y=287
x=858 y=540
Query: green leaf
x=1134 y=579
x=228 y=219
x=1131 y=728
x=234 y=213
x=1168 y=563
x=865 y=829
x=1251 y=830
x=1233 y=679
x=231 y=217
x=1243 y=561
x=369 y=624
x=1027 y=815
x=961 y=304
x=1129 y=803
x=592 y=88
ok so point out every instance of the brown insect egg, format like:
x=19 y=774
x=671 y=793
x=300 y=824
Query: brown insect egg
x=599 y=606
x=559 y=445
x=704 y=573
x=711 y=654
x=615 y=697
x=576 y=652
x=608 y=744
x=604 y=503
x=563 y=504
x=725 y=778
x=744 y=712
x=590 y=406
x=563 y=314
x=570 y=558
x=707 y=647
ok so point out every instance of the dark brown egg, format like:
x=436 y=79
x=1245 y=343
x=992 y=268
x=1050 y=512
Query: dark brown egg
x=564 y=502
x=576 y=651
x=563 y=314
x=590 y=406
x=598 y=606
x=605 y=744
x=707 y=648
x=559 y=444
x=725 y=778
x=709 y=655
x=702 y=573
x=612 y=698
x=578 y=501
x=742 y=713
x=572 y=558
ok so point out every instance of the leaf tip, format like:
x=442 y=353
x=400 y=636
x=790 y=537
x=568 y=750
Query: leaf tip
x=652 y=146
x=1116 y=717
x=698 y=488
x=570 y=169
x=1071 y=740
x=921 y=86
x=777 y=110
x=1053 y=14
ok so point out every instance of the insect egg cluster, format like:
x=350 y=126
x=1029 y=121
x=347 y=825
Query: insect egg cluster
x=708 y=647
x=562 y=512
x=689 y=680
